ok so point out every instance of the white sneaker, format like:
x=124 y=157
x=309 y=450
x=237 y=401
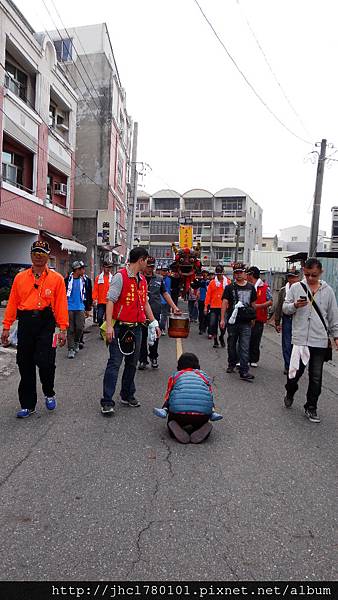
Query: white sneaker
x=71 y=354
x=254 y=365
x=77 y=348
x=238 y=364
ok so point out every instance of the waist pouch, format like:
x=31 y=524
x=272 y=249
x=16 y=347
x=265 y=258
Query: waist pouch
x=126 y=339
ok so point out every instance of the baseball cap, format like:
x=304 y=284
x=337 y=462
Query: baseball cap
x=294 y=273
x=254 y=271
x=151 y=261
x=219 y=269
x=78 y=264
x=106 y=264
x=40 y=246
x=238 y=266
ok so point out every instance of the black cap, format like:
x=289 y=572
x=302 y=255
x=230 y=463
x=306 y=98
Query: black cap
x=151 y=261
x=254 y=271
x=219 y=269
x=107 y=263
x=294 y=273
x=40 y=246
x=78 y=264
x=238 y=266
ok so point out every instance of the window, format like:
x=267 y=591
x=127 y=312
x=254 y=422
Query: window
x=264 y=245
x=233 y=203
x=160 y=251
x=12 y=168
x=16 y=81
x=118 y=216
x=142 y=206
x=164 y=228
x=294 y=238
x=120 y=172
x=197 y=228
x=198 y=204
x=52 y=115
x=63 y=49
x=166 y=203
x=49 y=187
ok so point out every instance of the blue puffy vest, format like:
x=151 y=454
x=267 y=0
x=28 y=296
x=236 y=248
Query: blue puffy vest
x=191 y=393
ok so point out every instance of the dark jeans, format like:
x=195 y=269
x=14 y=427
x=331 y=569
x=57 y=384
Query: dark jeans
x=239 y=333
x=193 y=310
x=35 y=338
x=215 y=317
x=153 y=353
x=76 y=327
x=165 y=311
x=101 y=313
x=316 y=362
x=202 y=318
x=286 y=339
x=255 y=341
x=113 y=366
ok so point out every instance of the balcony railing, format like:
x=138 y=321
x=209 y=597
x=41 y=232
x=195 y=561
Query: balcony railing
x=18 y=185
x=196 y=213
x=229 y=213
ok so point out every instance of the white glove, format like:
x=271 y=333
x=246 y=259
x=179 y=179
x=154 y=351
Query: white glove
x=233 y=317
x=152 y=332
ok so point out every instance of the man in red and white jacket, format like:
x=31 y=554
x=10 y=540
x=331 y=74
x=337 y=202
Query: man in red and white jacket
x=264 y=300
x=127 y=309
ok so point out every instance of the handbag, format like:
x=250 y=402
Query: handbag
x=246 y=313
x=328 y=353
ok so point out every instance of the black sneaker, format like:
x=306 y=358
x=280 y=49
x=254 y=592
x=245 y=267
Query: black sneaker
x=230 y=370
x=154 y=363
x=131 y=402
x=107 y=409
x=312 y=415
x=142 y=366
x=288 y=401
x=246 y=376
x=222 y=342
x=216 y=344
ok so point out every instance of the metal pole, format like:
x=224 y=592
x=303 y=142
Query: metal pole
x=237 y=241
x=133 y=196
x=317 y=200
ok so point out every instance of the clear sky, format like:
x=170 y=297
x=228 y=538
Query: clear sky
x=199 y=123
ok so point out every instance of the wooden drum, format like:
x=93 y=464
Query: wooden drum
x=179 y=326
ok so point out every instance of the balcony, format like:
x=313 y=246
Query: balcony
x=197 y=213
x=229 y=214
x=166 y=214
x=142 y=213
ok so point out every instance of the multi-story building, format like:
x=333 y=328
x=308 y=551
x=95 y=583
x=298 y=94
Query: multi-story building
x=215 y=218
x=269 y=242
x=334 y=230
x=297 y=239
x=37 y=136
x=102 y=144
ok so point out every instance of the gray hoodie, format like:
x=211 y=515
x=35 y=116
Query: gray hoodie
x=307 y=328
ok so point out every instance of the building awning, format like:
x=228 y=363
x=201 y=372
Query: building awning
x=67 y=244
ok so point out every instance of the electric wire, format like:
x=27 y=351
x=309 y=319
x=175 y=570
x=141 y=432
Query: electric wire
x=271 y=69
x=249 y=84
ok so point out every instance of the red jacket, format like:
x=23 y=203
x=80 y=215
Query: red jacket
x=261 y=313
x=130 y=305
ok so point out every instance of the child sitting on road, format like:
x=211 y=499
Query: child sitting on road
x=189 y=402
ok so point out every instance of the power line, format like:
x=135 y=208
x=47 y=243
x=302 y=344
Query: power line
x=271 y=70
x=258 y=96
x=74 y=63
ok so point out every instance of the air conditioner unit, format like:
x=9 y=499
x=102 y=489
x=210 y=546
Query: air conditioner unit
x=60 y=123
x=197 y=238
x=60 y=189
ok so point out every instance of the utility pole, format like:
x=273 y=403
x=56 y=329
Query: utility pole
x=133 y=193
x=317 y=200
x=237 y=225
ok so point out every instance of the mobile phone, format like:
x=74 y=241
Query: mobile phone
x=302 y=298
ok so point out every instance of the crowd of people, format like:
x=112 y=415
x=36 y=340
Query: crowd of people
x=135 y=304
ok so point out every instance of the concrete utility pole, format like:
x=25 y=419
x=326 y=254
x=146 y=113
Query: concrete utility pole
x=238 y=227
x=133 y=196
x=317 y=200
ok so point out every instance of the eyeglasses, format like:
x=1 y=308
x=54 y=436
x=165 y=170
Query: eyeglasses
x=313 y=275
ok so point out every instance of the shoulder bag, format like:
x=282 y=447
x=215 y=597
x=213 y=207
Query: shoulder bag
x=328 y=354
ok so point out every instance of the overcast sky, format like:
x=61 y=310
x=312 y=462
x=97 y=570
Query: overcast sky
x=199 y=123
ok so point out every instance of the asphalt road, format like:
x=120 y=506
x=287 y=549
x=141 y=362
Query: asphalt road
x=88 y=497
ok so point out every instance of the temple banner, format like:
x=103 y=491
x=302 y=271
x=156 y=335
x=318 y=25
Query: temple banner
x=185 y=236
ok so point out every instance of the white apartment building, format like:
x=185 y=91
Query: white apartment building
x=215 y=218
x=297 y=239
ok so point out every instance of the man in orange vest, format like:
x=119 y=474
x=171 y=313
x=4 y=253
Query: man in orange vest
x=100 y=291
x=262 y=303
x=127 y=308
x=38 y=300
x=213 y=299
